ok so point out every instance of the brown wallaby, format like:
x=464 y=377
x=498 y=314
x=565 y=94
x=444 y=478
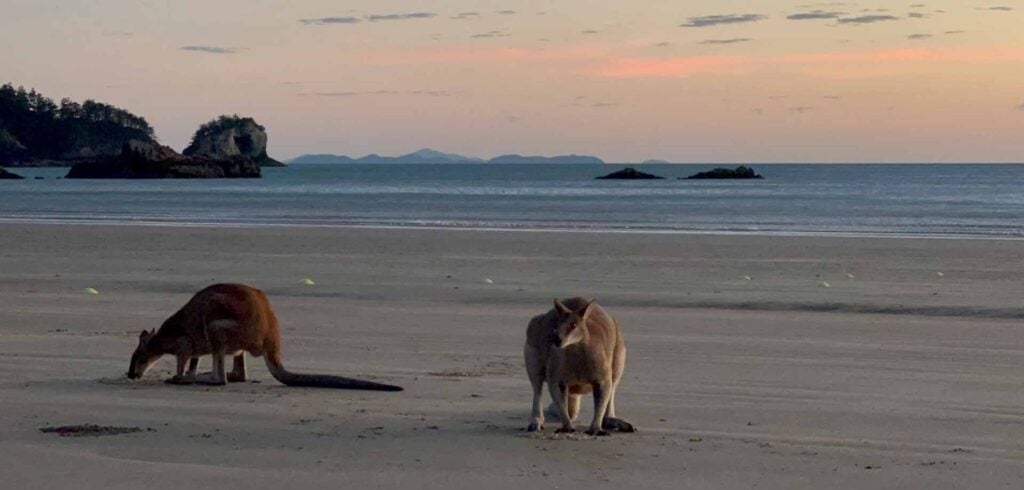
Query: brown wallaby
x=577 y=348
x=222 y=320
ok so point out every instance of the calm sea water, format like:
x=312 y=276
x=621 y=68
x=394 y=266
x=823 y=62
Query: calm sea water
x=944 y=200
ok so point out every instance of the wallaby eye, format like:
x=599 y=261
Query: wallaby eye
x=572 y=325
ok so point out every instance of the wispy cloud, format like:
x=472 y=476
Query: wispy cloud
x=405 y=16
x=736 y=40
x=997 y=8
x=465 y=15
x=375 y=18
x=714 y=20
x=916 y=37
x=432 y=93
x=331 y=20
x=1020 y=107
x=867 y=19
x=496 y=33
x=211 y=49
x=816 y=14
x=801 y=109
x=507 y=12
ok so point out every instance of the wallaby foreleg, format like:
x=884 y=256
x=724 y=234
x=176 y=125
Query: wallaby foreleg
x=180 y=376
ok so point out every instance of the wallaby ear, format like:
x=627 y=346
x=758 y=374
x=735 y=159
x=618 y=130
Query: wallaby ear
x=143 y=335
x=587 y=309
x=560 y=308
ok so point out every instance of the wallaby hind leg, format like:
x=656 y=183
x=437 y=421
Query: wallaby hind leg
x=216 y=333
x=574 y=406
x=535 y=370
x=238 y=373
x=611 y=422
x=560 y=393
x=602 y=392
x=217 y=377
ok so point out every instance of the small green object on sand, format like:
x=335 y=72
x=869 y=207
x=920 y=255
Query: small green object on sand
x=308 y=282
x=91 y=291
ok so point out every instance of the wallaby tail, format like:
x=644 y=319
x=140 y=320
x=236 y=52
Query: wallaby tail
x=320 y=380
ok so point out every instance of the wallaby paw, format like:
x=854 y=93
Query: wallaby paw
x=236 y=378
x=535 y=427
x=180 y=380
x=598 y=433
x=565 y=430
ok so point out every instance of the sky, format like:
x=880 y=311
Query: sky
x=629 y=80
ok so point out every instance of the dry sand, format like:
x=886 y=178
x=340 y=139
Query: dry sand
x=895 y=378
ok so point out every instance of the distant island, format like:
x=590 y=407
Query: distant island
x=573 y=159
x=102 y=140
x=656 y=162
x=630 y=173
x=428 y=156
x=226 y=147
x=741 y=172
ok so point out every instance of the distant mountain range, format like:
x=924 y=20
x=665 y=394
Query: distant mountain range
x=427 y=155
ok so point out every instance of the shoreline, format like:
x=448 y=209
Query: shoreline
x=611 y=231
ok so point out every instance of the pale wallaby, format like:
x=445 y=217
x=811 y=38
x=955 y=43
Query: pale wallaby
x=223 y=320
x=576 y=347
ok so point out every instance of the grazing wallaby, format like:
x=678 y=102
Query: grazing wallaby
x=222 y=320
x=577 y=348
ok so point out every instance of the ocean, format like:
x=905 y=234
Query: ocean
x=880 y=200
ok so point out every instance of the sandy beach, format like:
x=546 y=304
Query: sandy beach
x=754 y=361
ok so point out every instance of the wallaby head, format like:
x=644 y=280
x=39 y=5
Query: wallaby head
x=144 y=357
x=571 y=323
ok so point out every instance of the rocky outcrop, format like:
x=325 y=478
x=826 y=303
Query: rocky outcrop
x=741 y=172
x=231 y=137
x=5 y=175
x=630 y=173
x=148 y=160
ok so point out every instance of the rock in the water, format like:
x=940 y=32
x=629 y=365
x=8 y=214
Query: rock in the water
x=630 y=173
x=146 y=160
x=5 y=175
x=231 y=137
x=741 y=172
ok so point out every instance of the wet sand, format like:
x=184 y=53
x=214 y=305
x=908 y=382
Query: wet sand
x=753 y=361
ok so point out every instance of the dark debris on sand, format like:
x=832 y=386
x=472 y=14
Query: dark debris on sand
x=92 y=430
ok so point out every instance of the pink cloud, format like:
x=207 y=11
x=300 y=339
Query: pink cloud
x=670 y=67
x=685 y=66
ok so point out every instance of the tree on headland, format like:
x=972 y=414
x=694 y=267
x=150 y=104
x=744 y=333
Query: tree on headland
x=34 y=128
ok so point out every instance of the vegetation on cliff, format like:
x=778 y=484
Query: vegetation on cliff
x=34 y=130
